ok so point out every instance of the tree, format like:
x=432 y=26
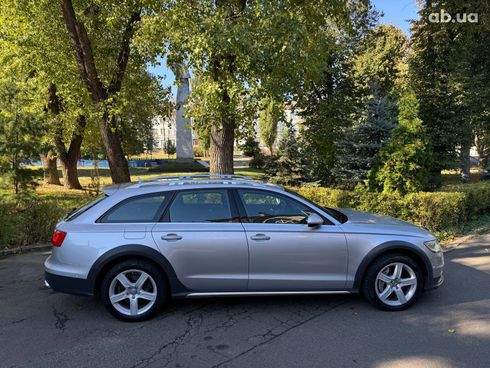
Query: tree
x=403 y=164
x=380 y=57
x=470 y=65
x=239 y=52
x=362 y=142
x=270 y=115
x=19 y=134
x=290 y=165
x=118 y=24
x=332 y=104
x=432 y=77
x=169 y=147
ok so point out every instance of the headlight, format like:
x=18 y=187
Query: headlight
x=433 y=245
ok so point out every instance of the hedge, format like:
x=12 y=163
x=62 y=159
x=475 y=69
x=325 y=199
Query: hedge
x=437 y=211
x=29 y=220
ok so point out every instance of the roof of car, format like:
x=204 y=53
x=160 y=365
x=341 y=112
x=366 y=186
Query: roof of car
x=185 y=180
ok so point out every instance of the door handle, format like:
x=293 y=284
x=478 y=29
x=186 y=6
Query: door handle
x=171 y=237
x=260 y=237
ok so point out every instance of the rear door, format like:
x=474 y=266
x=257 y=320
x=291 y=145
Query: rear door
x=201 y=236
x=286 y=254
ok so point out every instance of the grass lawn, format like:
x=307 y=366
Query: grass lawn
x=85 y=176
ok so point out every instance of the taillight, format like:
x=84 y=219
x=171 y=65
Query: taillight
x=58 y=238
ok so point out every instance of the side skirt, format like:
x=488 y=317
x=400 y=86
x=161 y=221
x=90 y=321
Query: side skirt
x=258 y=293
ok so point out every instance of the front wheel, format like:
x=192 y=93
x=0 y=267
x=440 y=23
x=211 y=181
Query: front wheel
x=393 y=282
x=133 y=290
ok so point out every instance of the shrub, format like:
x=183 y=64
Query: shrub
x=437 y=211
x=250 y=147
x=29 y=219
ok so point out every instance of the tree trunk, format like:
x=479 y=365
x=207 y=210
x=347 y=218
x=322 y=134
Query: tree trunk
x=221 y=148
x=465 y=162
x=70 y=173
x=50 y=169
x=118 y=164
x=68 y=158
x=435 y=178
x=99 y=92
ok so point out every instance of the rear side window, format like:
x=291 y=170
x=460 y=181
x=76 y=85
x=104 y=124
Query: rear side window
x=201 y=206
x=137 y=209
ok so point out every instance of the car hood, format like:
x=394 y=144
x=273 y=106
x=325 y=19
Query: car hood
x=383 y=223
x=360 y=217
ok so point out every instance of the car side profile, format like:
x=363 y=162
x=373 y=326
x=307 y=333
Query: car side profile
x=216 y=235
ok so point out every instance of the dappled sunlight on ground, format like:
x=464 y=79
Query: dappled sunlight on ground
x=416 y=362
x=481 y=263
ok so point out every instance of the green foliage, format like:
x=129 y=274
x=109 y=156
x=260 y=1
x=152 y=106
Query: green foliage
x=403 y=164
x=358 y=150
x=19 y=135
x=240 y=52
x=250 y=147
x=169 y=147
x=380 y=58
x=441 y=212
x=434 y=47
x=27 y=219
x=270 y=115
x=290 y=165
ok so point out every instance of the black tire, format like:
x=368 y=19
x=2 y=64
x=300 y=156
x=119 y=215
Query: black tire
x=141 y=265
x=368 y=287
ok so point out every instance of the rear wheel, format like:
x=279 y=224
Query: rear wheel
x=134 y=290
x=393 y=282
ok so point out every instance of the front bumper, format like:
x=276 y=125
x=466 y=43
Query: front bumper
x=434 y=283
x=69 y=285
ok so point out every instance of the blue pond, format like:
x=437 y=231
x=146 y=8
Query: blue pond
x=105 y=163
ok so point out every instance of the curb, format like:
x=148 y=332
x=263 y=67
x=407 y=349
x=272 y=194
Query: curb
x=25 y=249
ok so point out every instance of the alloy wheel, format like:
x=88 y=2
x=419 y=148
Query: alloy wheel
x=133 y=292
x=396 y=284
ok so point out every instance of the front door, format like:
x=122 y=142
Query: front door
x=286 y=254
x=203 y=240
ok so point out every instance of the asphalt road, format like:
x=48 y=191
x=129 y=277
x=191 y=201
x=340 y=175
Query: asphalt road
x=448 y=327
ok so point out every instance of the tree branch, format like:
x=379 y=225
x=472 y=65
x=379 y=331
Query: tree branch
x=123 y=56
x=83 y=52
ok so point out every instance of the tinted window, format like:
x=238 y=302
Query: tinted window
x=138 y=209
x=266 y=207
x=201 y=206
x=77 y=212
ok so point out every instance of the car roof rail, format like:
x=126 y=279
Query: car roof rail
x=163 y=179
x=196 y=177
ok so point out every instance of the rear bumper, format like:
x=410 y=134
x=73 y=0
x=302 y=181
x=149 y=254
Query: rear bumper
x=69 y=285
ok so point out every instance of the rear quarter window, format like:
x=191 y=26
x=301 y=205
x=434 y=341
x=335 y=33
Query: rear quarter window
x=77 y=212
x=144 y=208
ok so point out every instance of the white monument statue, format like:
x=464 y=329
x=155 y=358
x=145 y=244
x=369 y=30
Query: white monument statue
x=183 y=139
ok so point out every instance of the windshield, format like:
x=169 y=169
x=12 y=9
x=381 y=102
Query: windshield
x=336 y=214
x=74 y=213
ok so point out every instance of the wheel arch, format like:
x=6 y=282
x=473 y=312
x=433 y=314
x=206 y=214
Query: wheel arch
x=124 y=252
x=398 y=247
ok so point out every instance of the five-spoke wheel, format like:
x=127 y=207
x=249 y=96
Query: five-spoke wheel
x=133 y=290
x=393 y=282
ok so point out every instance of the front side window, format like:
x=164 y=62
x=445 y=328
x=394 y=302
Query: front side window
x=271 y=208
x=138 y=209
x=201 y=206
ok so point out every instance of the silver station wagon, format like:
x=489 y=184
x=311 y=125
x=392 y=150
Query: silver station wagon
x=219 y=235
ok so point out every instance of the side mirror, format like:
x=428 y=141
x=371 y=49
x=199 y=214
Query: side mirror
x=314 y=220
